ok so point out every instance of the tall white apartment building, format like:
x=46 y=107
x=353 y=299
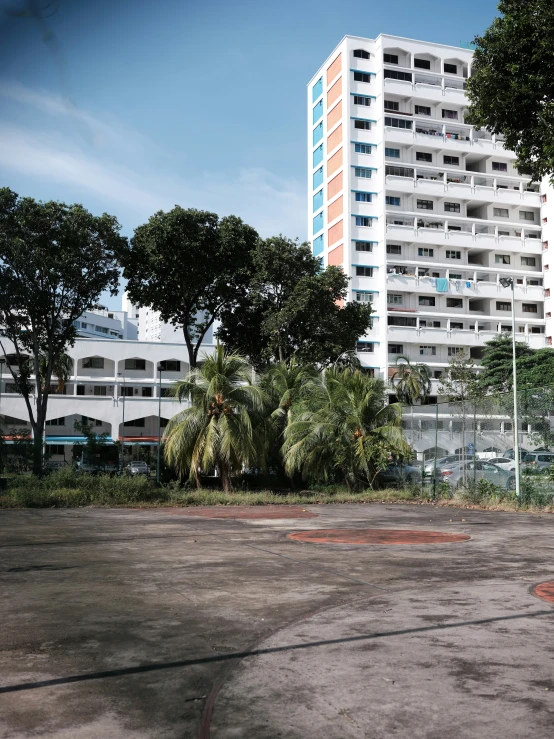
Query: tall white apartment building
x=424 y=213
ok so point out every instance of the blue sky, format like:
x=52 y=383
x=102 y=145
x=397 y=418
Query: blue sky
x=129 y=106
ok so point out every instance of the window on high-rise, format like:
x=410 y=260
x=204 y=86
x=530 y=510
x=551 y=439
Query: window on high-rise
x=529 y=307
x=362 y=77
x=362 y=125
x=503 y=305
x=454 y=303
x=528 y=261
x=398 y=123
x=425 y=204
x=499 y=167
x=450 y=254
x=361 y=100
x=452 y=114
x=500 y=212
x=451 y=160
x=364 y=346
x=423 y=251
x=392 y=105
x=422 y=63
x=363 y=221
x=364 y=271
x=423 y=156
x=426 y=300
x=452 y=207
x=364 y=297
x=394 y=249
x=394 y=153
x=450 y=68
x=422 y=110
x=361 y=54
x=363 y=197
x=362 y=148
x=526 y=215
x=392 y=200
x=428 y=351
x=395 y=299
x=455 y=350
x=362 y=172
x=502 y=259
x=364 y=246
x=396 y=348
x=393 y=74
x=390 y=58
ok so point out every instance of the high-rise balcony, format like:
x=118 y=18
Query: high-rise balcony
x=407 y=335
x=462 y=232
x=467 y=287
x=459 y=184
x=453 y=136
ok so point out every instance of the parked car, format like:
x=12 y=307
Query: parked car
x=510 y=453
x=398 y=473
x=137 y=468
x=478 y=470
x=538 y=460
x=444 y=462
x=505 y=463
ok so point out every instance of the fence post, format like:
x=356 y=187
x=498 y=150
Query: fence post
x=436 y=444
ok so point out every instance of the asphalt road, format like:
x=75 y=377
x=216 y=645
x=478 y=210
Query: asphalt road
x=143 y=624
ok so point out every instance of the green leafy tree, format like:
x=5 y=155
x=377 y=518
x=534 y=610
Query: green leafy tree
x=188 y=264
x=291 y=307
x=511 y=89
x=95 y=446
x=218 y=429
x=497 y=373
x=55 y=261
x=411 y=382
x=342 y=427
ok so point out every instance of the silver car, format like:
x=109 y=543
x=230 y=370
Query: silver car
x=467 y=472
x=137 y=468
x=538 y=460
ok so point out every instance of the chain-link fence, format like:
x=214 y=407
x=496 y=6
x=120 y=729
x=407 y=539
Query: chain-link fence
x=460 y=443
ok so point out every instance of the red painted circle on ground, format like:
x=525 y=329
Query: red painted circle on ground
x=376 y=536
x=545 y=590
x=245 y=511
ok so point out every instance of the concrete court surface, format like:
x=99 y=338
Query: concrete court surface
x=140 y=624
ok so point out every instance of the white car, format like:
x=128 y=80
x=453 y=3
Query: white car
x=505 y=463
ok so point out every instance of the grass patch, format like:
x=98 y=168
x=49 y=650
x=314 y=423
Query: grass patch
x=67 y=489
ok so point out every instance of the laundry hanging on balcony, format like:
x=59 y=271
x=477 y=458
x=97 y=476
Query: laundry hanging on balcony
x=442 y=285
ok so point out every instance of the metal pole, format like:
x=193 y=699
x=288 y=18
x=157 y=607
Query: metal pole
x=2 y=362
x=514 y=371
x=159 y=423
x=436 y=444
x=123 y=425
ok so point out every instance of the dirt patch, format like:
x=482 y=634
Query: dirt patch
x=376 y=536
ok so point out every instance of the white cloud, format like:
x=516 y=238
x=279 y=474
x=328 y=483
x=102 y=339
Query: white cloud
x=94 y=158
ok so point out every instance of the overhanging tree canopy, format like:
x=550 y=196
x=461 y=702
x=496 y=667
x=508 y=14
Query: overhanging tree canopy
x=55 y=261
x=187 y=264
x=511 y=89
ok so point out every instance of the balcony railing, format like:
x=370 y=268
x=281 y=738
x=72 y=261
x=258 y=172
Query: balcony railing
x=451 y=226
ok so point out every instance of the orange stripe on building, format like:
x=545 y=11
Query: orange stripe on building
x=335 y=258
x=335 y=233
x=334 y=162
x=334 y=115
x=335 y=138
x=334 y=68
x=335 y=186
x=335 y=92
x=334 y=210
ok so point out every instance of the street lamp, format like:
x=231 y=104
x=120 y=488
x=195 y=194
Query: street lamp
x=2 y=363
x=159 y=422
x=509 y=282
x=120 y=374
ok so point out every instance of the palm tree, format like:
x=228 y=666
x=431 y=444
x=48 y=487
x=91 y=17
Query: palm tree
x=341 y=424
x=411 y=382
x=217 y=430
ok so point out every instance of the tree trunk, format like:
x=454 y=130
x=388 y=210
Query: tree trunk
x=225 y=477
x=37 y=453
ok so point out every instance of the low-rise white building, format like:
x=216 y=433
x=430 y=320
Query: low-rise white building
x=111 y=381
